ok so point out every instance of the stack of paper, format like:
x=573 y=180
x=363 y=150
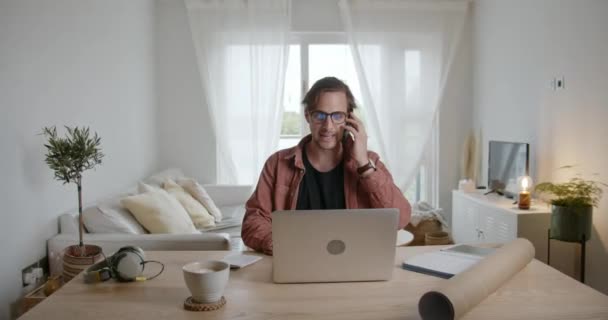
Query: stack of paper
x=447 y=262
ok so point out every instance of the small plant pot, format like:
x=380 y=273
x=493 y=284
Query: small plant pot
x=571 y=223
x=74 y=262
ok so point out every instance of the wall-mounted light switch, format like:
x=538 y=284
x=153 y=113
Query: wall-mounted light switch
x=557 y=83
x=560 y=83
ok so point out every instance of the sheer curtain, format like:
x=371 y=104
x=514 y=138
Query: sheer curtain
x=403 y=51
x=242 y=48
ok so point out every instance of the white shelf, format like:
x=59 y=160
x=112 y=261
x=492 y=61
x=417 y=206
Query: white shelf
x=479 y=218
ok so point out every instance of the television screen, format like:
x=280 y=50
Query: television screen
x=507 y=162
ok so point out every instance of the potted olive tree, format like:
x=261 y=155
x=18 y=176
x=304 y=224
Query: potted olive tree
x=69 y=157
x=572 y=207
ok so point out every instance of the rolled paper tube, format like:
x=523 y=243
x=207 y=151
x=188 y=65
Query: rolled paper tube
x=524 y=200
x=466 y=290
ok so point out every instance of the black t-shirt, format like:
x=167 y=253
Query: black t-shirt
x=321 y=190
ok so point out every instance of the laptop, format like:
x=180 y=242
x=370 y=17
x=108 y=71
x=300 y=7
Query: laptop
x=334 y=245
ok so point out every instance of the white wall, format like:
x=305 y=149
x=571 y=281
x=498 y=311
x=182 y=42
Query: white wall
x=316 y=16
x=185 y=135
x=455 y=120
x=69 y=62
x=508 y=74
x=519 y=46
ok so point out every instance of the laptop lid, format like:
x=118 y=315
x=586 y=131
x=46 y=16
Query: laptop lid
x=334 y=245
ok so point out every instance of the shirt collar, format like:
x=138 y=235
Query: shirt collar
x=295 y=153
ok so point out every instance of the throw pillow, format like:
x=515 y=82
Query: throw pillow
x=198 y=192
x=158 y=178
x=144 y=187
x=159 y=212
x=113 y=207
x=108 y=221
x=197 y=212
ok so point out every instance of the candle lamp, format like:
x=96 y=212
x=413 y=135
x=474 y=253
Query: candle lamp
x=525 y=184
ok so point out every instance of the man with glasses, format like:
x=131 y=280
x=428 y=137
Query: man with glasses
x=329 y=169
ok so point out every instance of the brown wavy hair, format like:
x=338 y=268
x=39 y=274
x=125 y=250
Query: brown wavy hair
x=327 y=84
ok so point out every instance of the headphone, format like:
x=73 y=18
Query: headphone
x=126 y=265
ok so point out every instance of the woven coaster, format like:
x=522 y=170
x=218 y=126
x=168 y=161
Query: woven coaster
x=190 y=305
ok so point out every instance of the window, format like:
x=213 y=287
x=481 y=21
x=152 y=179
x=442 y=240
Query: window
x=291 y=128
x=307 y=63
x=314 y=56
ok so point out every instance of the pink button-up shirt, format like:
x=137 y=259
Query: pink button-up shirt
x=279 y=184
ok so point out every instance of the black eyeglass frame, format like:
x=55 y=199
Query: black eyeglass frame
x=332 y=116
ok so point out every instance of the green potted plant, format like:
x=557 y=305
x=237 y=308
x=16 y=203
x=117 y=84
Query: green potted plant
x=572 y=207
x=69 y=157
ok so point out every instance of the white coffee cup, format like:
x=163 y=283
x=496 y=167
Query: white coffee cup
x=206 y=280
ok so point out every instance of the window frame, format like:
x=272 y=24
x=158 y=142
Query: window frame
x=428 y=168
x=305 y=40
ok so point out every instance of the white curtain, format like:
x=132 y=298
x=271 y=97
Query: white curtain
x=242 y=49
x=403 y=51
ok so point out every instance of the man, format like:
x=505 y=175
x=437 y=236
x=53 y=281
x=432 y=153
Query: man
x=328 y=169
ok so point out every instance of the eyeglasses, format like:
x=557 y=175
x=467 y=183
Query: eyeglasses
x=320 y=116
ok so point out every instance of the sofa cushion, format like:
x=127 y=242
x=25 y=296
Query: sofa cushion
x=110 y=220
x=199 y=215
x=68 y=223
x=114 y=217
x=231 y=223
x=159 y=212
x=233 y=212
x=145 y=187
x=157 y=179
x=198 y=192
x=159 y=242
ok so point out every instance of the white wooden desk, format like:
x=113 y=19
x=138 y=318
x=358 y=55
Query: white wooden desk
x=537 y=292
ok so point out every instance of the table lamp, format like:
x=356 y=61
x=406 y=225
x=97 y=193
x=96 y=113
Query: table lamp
x=525 y=184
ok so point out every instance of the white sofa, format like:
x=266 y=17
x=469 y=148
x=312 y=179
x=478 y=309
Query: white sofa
x=230 y=199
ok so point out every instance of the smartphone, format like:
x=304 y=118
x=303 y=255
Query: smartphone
x=346 y=134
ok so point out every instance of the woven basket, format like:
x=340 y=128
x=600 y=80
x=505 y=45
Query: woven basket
x=437 y=238
x=421 y=229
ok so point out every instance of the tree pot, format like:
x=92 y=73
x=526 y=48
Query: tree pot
x=74 y=262
x=571 y=223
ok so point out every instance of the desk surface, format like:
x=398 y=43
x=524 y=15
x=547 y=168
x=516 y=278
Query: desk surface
x=537 y=292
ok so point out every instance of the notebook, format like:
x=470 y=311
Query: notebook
x=447 y=262
x=239 y=260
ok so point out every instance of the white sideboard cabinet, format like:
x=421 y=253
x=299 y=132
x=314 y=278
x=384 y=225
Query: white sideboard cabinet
x=479 y=218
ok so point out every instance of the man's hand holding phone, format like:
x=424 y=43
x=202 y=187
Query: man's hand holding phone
x=356 y=149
